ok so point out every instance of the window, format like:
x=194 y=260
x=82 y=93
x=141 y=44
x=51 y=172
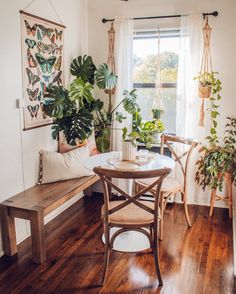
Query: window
x=145 y=67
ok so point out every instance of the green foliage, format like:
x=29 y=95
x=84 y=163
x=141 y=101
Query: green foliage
x=130 y=102
x=157 y=113
x=57 y=104
x=103 y=140
x=141 y=131
x=84 y=68
x=80 y=91
x=210 y=79
x=206 y=78
x=218 y=160
x=76 y=112
x=105 y=79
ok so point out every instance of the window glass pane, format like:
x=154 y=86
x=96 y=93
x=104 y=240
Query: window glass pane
x=145 y=100
x=145 y=69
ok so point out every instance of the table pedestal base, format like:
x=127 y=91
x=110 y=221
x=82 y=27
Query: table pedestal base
x=130 y=241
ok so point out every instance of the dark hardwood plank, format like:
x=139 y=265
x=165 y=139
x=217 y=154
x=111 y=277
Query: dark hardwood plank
x=197 y=260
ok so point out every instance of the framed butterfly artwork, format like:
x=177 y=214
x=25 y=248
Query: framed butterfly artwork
x=42 y=45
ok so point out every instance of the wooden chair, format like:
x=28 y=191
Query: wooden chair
x=171 y=185
x=132 y=213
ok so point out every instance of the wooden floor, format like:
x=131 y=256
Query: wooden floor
x=197 y=260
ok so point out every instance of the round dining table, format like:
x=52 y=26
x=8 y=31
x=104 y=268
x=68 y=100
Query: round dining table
x=130 y=241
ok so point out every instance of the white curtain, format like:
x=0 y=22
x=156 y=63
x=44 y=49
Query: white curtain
x=124 y=68
x=188 y=103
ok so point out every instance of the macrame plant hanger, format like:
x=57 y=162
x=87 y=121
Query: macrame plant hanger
x=206 y=68
x=111 y=55
x=112 y=66
x=158 y=107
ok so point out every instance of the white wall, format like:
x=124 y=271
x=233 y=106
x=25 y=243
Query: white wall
x=223 y=39
x=19 y=159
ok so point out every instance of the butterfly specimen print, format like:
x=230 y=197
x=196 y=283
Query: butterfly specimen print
x=45 y=48
x=33 y=110
x=43 y=88
x=57 y=77
x=33 y=79
x=58 y=34
x=31 y=61
x=57 y=65
x=46 y=64
x=42 y=65
x=30 y=30
x=44 y=32
x=33 y=94
x=30 y=43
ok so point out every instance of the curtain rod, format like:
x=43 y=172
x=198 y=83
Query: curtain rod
x=214 y=13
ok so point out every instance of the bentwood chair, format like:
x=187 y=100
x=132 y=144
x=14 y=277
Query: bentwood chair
x=131 y=214
x=171 y=185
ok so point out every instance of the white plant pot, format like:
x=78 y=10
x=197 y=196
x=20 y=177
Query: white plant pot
x=128 y=151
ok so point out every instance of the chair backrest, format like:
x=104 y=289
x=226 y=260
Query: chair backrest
x=168 y=140
x=106 y=176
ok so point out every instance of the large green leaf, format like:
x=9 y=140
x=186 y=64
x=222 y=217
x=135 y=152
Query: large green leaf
x=84 y=68
x=80 y=91
x=76 y=127
x=130 y=102
x=105 y=78
x=57 y=103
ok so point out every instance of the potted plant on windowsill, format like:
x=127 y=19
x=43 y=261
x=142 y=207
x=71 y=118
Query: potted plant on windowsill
x=141 y=131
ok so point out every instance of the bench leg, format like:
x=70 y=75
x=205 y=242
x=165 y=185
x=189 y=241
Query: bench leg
x=88 y=192
x=37 y=236
x=8 y=231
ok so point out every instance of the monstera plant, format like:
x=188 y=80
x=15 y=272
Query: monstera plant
x=75 y=110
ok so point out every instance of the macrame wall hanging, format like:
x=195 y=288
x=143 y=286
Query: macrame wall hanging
x=205 y=75
x=111 y=54
x=158 y=107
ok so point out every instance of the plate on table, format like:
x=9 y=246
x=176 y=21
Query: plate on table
x=126 y=165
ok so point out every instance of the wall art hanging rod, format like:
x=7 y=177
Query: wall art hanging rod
x=214 y=13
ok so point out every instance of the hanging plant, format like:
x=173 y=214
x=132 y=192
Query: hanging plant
x=206 y=76
x=158 y=107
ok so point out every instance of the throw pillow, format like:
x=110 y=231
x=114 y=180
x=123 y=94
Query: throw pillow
x=56 y=167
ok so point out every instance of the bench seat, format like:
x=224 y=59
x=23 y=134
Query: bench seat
x=33 y=204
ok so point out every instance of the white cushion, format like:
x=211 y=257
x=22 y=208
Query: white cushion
x=58 y=167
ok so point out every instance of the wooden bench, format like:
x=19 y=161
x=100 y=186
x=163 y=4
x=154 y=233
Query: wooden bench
x=33 y=204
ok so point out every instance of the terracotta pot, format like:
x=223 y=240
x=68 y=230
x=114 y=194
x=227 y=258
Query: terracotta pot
x=204 y=91
x=128 y=151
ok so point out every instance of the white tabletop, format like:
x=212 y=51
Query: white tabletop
x=157 y=162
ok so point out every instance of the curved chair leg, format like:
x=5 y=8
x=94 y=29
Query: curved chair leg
x=106 y=253
x=186 y=209
x=156 y=257
x=161 y=222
